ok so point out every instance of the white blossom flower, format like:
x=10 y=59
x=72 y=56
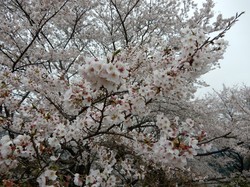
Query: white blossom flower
x=51 y=174
x=77 y=180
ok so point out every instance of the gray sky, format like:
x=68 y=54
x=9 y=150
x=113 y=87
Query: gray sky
x=235 y=67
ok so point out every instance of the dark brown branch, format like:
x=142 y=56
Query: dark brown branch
x=215 y=138
x=12 y=131
x=122 y=23
x=36 y=35
x=78 y=18
x=213 y=152
x=60 y=110
x=7 y=55
x=24 y=97
x=32 y=22
x=107 y=133
x=30 y=64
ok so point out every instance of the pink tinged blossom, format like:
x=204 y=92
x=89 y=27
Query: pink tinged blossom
x=102 y=74
x=206 y=147
x=77 y=180
x=90 y=179
x=111 y=181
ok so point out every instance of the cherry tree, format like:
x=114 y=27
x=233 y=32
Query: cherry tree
x=83 y=85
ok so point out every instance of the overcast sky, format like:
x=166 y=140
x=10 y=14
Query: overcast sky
x=235 y=67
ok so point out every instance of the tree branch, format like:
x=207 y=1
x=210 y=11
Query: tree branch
x=213 y=152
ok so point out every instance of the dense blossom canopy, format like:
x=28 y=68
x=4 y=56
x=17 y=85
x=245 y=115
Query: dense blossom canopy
x=81 y=84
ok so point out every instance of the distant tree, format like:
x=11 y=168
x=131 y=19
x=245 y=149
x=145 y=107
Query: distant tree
x=84 y=86
x=227 y=117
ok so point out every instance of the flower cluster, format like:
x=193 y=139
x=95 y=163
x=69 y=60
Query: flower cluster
x=79 y=95
x=11 y=149
x=47 y=177
x=177 y=143
x=103 y=74
x=198 y=50
x=182 y=141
